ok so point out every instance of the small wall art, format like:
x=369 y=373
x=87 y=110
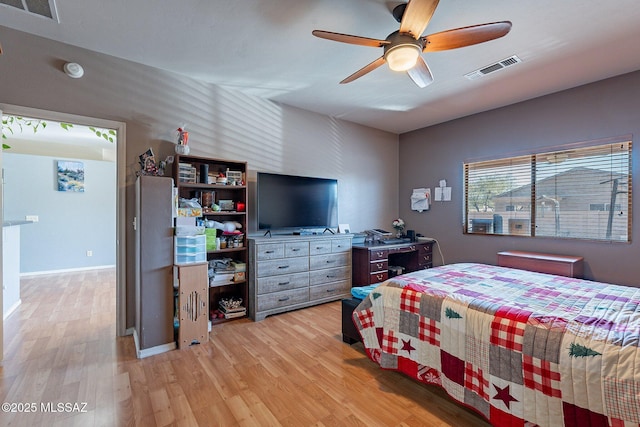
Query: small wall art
x=70 y=176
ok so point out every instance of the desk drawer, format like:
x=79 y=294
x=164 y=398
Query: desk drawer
x=379 y=276
x=381 y=265
x=425 y=258
x=377 y=254
x=402 y=249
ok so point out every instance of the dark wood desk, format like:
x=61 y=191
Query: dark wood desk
x=371 y=262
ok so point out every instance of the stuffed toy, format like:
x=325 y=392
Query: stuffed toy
x=227 y=226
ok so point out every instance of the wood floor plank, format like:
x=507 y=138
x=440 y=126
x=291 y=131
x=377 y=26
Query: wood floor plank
x=290 y=369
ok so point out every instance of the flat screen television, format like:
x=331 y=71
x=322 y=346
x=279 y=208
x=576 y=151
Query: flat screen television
x=296 y=203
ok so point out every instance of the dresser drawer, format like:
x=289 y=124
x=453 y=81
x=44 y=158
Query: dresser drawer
x=269 y=251
x=341 y=245
x=329 y=275
x=378 y=254
x=281 y=266
x=293 y=249
x=282 y=299
x=281 y=283
x=329 y=290
x=380 y=265
x=329 y=261
x=320 y=247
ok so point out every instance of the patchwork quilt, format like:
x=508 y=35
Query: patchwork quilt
x=521 y=348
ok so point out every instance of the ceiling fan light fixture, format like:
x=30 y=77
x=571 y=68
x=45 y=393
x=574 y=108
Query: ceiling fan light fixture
x=402 y=57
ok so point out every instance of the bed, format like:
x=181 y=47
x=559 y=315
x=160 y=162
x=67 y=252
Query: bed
x=521 y=348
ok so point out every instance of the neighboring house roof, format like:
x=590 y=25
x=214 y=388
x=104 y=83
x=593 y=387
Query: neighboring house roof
x=564 y=184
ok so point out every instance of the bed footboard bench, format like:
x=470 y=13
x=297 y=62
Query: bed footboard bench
x=561 y=265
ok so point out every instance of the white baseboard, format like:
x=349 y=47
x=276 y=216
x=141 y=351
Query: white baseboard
x=66 y=270
x=152 y=351
x=11 y=309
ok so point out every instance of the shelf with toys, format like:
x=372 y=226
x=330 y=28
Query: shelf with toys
x=213 y=193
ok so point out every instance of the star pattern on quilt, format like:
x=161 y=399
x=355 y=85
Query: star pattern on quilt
x=504 y=395
x=528 y=326
x=406 y=346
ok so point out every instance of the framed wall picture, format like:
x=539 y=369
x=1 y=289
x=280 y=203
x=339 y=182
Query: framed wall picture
x=70 y=176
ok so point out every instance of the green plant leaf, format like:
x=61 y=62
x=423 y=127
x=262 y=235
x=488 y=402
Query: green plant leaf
x=9 y=123
x=5 y=146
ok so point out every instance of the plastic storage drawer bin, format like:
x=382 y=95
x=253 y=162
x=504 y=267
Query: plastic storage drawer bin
x=190 y=249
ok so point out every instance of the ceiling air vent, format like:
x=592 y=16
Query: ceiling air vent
x=493 y=67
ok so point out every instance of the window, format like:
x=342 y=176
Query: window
x=564 y=193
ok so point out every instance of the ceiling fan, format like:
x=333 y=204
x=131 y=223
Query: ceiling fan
x=402 y=48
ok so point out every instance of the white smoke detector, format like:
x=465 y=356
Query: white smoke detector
x=73 y=70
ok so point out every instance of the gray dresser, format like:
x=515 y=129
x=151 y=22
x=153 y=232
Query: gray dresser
x=291 y=272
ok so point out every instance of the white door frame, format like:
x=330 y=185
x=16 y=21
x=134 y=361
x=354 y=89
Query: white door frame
x=120 y=127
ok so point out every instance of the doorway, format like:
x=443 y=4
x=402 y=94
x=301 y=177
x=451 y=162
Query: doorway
x=118 y=139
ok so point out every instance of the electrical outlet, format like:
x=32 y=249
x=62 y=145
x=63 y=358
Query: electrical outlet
x=32 y=218
x=89 y=253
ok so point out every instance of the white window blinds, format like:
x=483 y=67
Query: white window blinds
x=582 y=193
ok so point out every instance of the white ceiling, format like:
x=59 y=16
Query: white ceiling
x=265 y=48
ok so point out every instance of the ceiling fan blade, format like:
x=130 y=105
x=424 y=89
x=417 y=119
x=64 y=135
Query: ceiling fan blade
x=420 y=73
x=346 y=38
x=465 y=36
x=364 y=70
x=416 y=16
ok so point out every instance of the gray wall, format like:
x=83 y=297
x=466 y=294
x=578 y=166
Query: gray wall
x=222 y=123
x=599 y=110
x=69 y=223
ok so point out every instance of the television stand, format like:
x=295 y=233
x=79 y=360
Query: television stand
x=329 y=230
x=267 y=232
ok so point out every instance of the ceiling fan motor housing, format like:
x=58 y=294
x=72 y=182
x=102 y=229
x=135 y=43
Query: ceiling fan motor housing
x=402 y=51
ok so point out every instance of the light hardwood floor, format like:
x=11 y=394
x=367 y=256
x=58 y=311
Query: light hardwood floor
x=289 y=370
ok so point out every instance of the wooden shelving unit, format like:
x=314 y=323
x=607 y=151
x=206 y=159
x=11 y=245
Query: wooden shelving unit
x=194 y=185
